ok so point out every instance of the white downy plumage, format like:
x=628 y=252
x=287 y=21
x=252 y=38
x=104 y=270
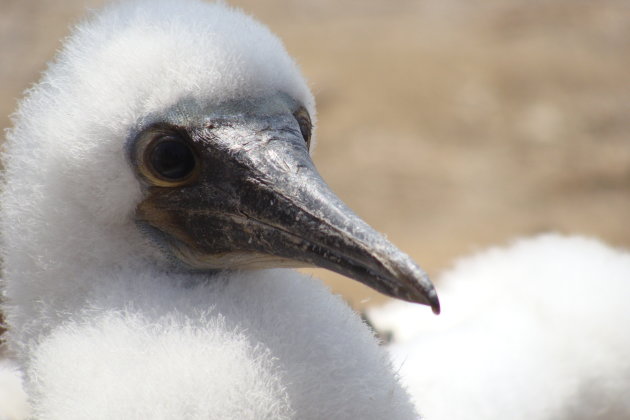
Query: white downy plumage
x=101 y=328
x=532 y=331
x=13 y=404
x=537 y=330
x=529 y=332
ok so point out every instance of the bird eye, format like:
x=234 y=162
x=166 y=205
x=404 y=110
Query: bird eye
x=167 y=160
x=172 y=159
x=304 y=120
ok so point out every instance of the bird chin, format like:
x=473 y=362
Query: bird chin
x=233 y=260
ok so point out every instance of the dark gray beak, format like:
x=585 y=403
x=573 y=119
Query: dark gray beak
x=258 y=202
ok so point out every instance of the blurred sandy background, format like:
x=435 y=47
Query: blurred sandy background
x=450 y=125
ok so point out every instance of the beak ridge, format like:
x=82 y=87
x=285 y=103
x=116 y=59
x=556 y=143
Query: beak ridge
x=262 y=200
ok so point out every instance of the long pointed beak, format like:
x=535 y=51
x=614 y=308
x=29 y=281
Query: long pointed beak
x=260 y=202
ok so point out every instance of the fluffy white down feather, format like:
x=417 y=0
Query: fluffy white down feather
x=537 y=330
x=13 y=404
x=67 y=177
x=259 y=345
x=532 y=331
x=100 y=330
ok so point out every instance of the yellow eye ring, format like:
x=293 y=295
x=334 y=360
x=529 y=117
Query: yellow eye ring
x=166 y=159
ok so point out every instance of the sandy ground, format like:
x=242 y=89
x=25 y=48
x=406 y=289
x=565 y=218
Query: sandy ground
x=450 y=125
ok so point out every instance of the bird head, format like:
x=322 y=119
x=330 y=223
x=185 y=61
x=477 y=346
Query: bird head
x=189 y=124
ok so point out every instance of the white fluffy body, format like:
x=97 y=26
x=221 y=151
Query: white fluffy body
x=101 y=331
x=537 y=330
x=260 y=345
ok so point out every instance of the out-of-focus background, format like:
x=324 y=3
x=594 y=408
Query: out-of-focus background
x=450 y=125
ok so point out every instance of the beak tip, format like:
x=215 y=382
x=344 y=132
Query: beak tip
x=426 y=294
x=434 y=302
x=429 y=297
x=419 y=291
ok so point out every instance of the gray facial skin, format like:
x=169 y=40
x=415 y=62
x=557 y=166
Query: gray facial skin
x=255 y=200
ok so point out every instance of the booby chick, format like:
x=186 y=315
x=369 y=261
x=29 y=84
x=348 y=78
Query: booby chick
x=536 y=330
x=153 y=177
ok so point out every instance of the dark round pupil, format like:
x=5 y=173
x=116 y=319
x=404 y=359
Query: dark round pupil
x=172 y=159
